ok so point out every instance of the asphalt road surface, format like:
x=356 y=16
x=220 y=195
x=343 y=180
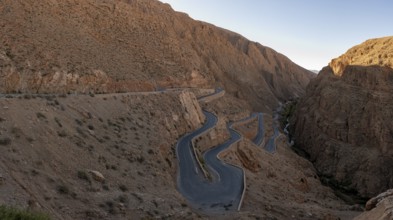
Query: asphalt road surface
x=261 y=133
x=223 y=192
x=271 y=144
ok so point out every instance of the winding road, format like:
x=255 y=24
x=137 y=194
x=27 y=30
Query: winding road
x=225 y=190
x=271 y=144
x=217 y=93
x=258 y=139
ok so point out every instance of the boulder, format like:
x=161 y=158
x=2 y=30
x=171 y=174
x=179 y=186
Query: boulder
x=97 y=176
x=379 y=207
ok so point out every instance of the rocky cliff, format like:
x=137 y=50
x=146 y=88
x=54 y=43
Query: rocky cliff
x=372 y=52
x=102 y=46
x=343 y=122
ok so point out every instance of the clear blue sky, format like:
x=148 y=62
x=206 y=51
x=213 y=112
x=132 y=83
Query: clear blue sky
x=309 y=32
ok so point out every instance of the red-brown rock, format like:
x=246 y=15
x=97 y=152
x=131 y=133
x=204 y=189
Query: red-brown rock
x=344 y=121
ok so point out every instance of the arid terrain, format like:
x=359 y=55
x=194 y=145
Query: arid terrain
x=343 y=121
x=118 y=46
x=54 y=146
x=96 y=94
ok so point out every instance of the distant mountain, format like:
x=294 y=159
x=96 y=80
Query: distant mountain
x=344 y=120
x=54 y=46
x=315 y=71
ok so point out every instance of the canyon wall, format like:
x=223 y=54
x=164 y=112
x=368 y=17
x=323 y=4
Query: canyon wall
x=344 y=120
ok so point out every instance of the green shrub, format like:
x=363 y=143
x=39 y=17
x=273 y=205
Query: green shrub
x=10 y=213
x=287 y=112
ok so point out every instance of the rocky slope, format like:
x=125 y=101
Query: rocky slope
x=102 y=157
x=343 y=122
x=100 y=46
x=112 y=156
x=372 y=52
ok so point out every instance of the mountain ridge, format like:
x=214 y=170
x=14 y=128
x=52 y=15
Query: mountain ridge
x=64 y=46
x=113 y=155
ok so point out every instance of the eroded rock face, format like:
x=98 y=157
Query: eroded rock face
x=373 y=202
x=372 y=52
x=379 y=207
x=192 y=110
x=53 y=46
x=344 y=123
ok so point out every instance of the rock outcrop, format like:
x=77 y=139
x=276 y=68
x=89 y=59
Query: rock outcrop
x=192 y=110
x=379 y=207
x=343 y=122
x=373 y=202
x=103 y=46
x=372 y=52
x=97 y=176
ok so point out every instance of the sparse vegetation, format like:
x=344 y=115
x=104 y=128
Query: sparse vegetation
x=40 y=115
x=27 y=96
x=123 y=188
x=58 y=122
x=11 y=213
x=5 y=141
x=110 y=207
x=105 y=187
x=62 y=189
x=140 y=159
x=148 y=137
x=29 y=139
x=123 y=199
x=62 y=133
x=79 y=122
x=83 y=175
x=287 y=112
x=17 y=132
x=49 y=97
x=80 y=131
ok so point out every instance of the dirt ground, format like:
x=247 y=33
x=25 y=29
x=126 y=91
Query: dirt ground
x=113 y=157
